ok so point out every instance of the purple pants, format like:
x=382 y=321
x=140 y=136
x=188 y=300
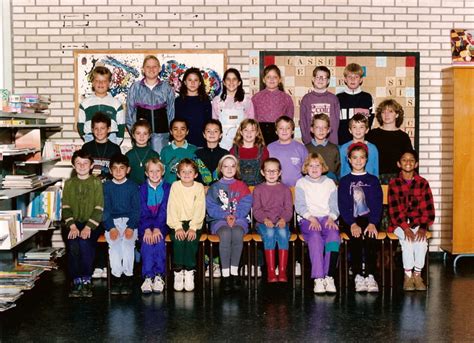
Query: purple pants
x=153 y=259
x=320 y=245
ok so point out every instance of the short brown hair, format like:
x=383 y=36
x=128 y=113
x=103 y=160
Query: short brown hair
x=229 y=157
x=359 y=117
x=187 y=162
x=395 y=106
x=100 y=70
x=287 y=120
x=325 y=70
x=314 y=156
x=321 y=116
x=353 y=68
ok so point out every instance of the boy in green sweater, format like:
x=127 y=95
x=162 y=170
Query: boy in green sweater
x=179 y=148
x=82 y=208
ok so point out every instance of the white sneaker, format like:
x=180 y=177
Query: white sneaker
x=360 y=284
x=297 y=269
x=97 y=273
x=158 y=284
x=319 y=286
x=147 y=286
x=329 y=283
x=179 y=281
x=103 y=275
x=206 y=274
x=189 y=280
x=216 y=271
x=372 y=286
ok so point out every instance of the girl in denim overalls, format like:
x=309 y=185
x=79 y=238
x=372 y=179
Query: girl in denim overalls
x=250 y=150
x=231 y=107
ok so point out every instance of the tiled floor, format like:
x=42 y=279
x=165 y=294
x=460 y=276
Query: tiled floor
x=444 y=313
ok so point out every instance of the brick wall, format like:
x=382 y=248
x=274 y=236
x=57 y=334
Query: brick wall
x=45 y=33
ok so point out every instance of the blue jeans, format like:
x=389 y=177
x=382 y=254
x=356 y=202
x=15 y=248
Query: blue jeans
x=274 y=235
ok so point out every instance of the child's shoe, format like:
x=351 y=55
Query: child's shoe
x=103 y=274
x=179 y=281
x=116 y=285
x=86 y=291
x=226 y=284
x=319 y=286
x=147 y=286
x=297 y=269
x=409 y=283
x=329 y=283
x=97 y=273
x=76 y=291
x=158 y=284
x=360 y=284
x=236 y=284
x=372 y=286
x=419 y=284
x=189 y=280
x=127 y=285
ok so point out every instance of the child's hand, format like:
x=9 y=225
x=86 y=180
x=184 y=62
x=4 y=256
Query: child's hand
x=268 y=223
x=420 y=235
x=113 y=234
x=191 y=235
x=86 y=233
x=157 y=236
x=356 y=230
x=371 y=231
x=281 y=223
x=73 y=232
x=180 y=234
x=148 y=237
x=230 y=219
x=314 y=224
x=128 y=233
x=331 y=224
x=409 y=235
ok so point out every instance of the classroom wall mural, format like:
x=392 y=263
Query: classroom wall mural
x=126 y=66
x=386 y=75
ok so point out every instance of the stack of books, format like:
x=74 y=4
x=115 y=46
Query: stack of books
x=13 y=281
x=44 y=258
x=36 y=223
x=22 y=181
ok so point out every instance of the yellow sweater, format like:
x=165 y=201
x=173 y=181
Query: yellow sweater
x=186 y=203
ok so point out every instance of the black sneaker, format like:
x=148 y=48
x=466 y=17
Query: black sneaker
x=116 y=285
x=76 y=291
x=87 y=290
x=236 y=284
x=226 y=284
x=126 y=285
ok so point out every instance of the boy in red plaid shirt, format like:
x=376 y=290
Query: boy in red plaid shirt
x=411 y=209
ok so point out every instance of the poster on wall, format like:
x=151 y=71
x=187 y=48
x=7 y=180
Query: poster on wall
x=126 y=68
x=462 y=46
x=386 y=75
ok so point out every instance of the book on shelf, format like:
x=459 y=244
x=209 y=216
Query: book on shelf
x=46 y=202
x=7 y=306
x=36 y=223
x=22 y=181
x=10 y=228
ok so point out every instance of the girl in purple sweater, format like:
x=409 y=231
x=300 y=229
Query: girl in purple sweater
x=228 y=203
x=273 y=209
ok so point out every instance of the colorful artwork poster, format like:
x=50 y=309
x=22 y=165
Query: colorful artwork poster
x=386 y=75
x=462 y=46
x=126 y=68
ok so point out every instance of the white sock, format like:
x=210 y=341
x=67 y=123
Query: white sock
x=234 y=270
x=408 y=273
x=225 y=272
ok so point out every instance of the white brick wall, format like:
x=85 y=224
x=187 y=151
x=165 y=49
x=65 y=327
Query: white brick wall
x=45 y=32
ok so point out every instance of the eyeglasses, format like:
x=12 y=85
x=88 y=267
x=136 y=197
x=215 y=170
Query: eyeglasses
x=271 y=171
x=321 y=78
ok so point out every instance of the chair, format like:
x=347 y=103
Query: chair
x=102 y=240
x=199 y=261
x=214 y=239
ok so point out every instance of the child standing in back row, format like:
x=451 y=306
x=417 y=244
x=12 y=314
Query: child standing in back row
x=273 y=209
x=353 y=100
x=318 y=101
x=316 y=204
x=232 y=106
x=271 y=103
x=250 y=150
x=193 y=105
